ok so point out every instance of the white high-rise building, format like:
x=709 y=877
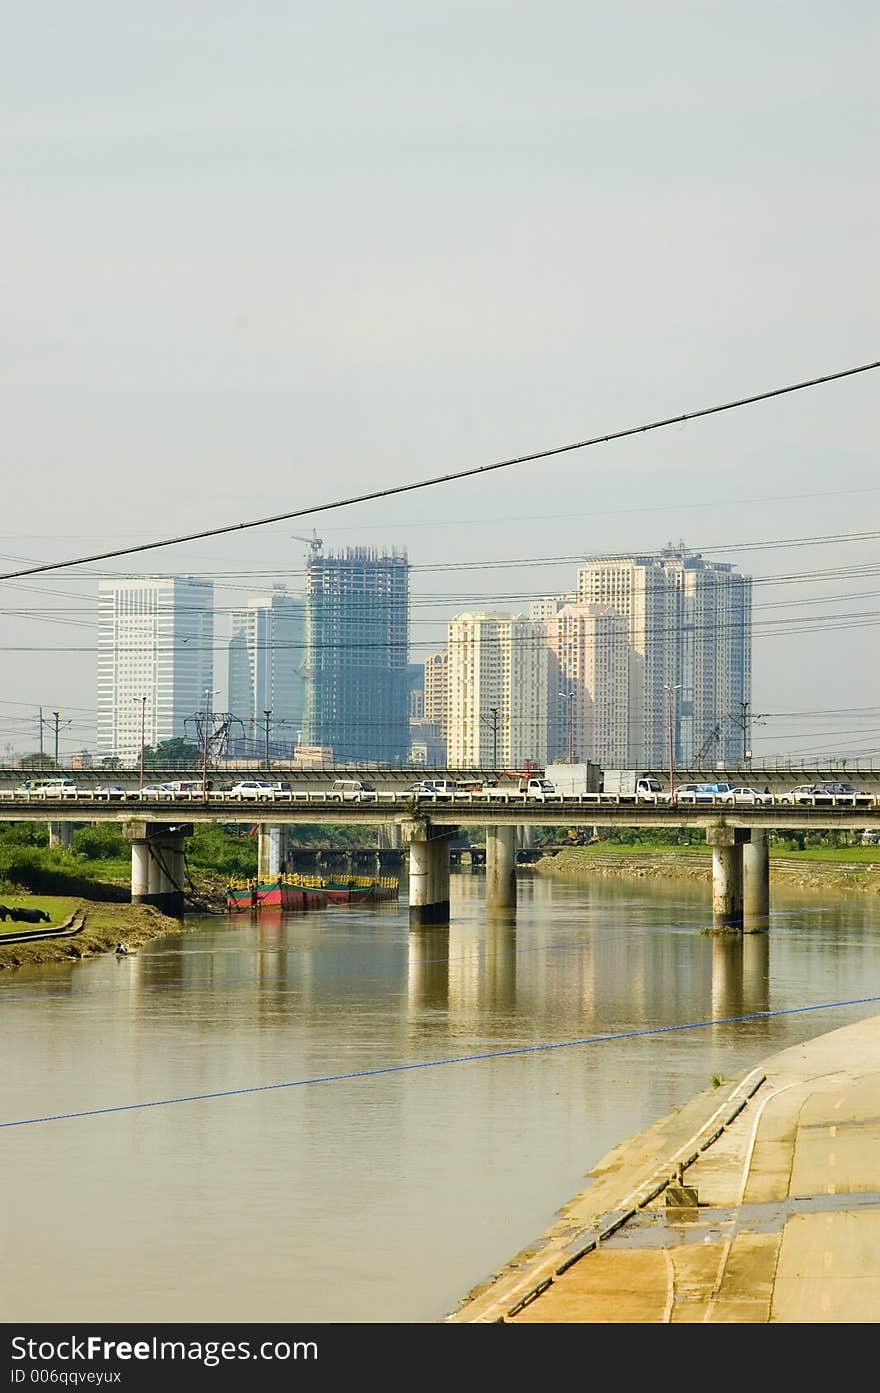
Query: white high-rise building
x=155 y=661
x=436 y=688
x=588 y=685
x=690 y=635
x=496 y=691
x=265 y=663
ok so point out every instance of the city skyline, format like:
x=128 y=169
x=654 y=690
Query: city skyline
x=562 y=679
x=200 y=331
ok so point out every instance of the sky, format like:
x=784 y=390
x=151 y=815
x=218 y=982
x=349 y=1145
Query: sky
x=260 y=258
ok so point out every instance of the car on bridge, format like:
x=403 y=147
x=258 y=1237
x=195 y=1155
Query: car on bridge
x=702 y=793
x=346 y=790
x=829 y=793
x=252 y=788
x=756 y=797
x=113 y=791
x=154 y=791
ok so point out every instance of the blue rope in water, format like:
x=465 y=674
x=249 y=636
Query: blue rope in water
x=433 y=1063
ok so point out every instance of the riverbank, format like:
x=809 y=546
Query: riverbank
x=799 y=871
x=753 y=1204
x=106 y=925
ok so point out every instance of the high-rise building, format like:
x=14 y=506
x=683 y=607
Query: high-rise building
x=690 y=636
x=155 y=661
x=713 y=658
x=436 y=683
x=265 y=660
x=357 y=655
x=588 y=685
x=497 y=691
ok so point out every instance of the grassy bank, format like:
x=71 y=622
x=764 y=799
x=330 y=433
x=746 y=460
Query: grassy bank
x=853 y=868
x=105 y=926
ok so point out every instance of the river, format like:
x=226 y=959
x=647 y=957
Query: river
x=395 y=1115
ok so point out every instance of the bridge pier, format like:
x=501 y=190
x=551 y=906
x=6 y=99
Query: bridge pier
x=756 y=882
x=158 y=865
x=140 y=871
x=428 y=873
x=388 y=836
x=269 y=846
x=727 y=875
x=60 y=833
x=501 y=867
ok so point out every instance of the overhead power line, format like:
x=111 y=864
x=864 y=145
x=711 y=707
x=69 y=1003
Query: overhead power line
x=441 y=478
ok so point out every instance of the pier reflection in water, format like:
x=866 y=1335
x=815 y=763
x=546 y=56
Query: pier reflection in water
x=381 y=1184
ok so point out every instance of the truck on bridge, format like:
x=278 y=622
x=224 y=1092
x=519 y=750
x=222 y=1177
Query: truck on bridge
x=574 y=780
x=633 y=784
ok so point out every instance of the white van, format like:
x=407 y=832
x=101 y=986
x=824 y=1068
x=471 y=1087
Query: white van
x=345 y=789
x=48 y=788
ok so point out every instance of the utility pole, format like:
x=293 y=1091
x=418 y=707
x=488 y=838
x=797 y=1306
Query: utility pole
x=495 y=712
x=41 y=734
x=57 y=715
x=744 y=723
x=143 y=733
x=267 y=714
x=205 y=746
x=669 y=689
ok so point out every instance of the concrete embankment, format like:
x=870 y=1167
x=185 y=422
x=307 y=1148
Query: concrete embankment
x=756 y=1203
x=862 y=877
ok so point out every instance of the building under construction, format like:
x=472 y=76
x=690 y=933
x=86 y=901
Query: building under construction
x=357 y=651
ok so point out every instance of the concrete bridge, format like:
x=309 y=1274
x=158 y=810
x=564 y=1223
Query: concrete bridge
x=158 y=829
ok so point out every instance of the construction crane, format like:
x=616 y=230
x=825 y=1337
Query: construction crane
x=713 y=738
x=315 y=542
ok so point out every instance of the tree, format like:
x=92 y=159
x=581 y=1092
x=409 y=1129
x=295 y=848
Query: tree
x=171 y=754
x=37 y=761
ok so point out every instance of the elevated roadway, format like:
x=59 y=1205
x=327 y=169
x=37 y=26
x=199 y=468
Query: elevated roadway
x=158 y=826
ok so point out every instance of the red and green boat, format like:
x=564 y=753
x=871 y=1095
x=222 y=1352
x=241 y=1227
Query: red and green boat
x=285 y=892
x=297 y=892
x=361 y=889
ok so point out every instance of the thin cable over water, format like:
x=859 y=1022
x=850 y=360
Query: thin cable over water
x=433 y=1063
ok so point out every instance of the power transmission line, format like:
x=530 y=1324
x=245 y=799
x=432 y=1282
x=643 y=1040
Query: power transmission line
x=444 y=478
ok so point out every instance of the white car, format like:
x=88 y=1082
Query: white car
x=754 y=796
x=702 y=793
x=829 y=793
x=253 y=788
x=156 y=791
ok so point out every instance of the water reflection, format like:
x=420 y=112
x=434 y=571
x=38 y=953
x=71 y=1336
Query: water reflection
x=319 y=1199
x=428 y=977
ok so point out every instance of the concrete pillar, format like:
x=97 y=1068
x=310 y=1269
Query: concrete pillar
x=756 y=882
x=727 y=875
x=140 y=874
x=501 y=867
x=172 y=875
x=388 y=836
x=60 y=833
x=269 y=851
x=428 y=881
x=155 y=878
x=525 y=837
x=438 y=879
x=158 y=864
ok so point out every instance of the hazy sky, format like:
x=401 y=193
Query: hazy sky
x=259 y=257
